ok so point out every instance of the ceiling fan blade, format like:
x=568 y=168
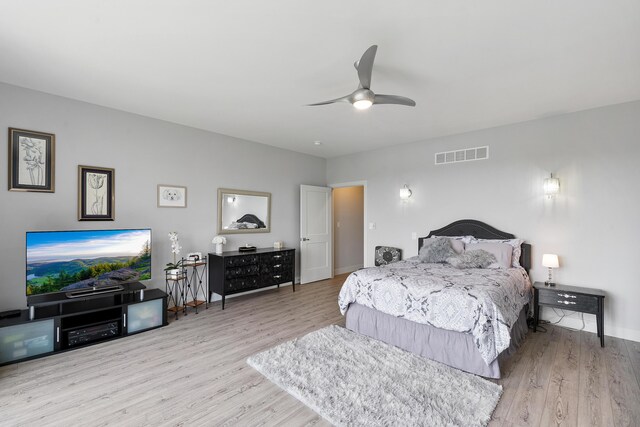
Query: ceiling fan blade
x=365 y=66
x=343 y=99
x=394 y=99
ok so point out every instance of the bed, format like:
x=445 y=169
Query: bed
x=471 y=319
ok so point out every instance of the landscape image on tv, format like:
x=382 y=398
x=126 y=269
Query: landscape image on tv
x=60 y=261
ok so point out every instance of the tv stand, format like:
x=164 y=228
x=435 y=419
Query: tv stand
x=61 y=324
x=94 y=291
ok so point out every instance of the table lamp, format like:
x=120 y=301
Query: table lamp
x=550 y=261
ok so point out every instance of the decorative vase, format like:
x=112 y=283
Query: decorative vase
x=218 y=248
x=174 y=274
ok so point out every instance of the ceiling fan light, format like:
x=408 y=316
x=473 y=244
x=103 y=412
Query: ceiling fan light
x=362 y=104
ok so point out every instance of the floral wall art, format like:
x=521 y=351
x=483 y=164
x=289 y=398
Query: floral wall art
x=31 y=161
x=96 y=193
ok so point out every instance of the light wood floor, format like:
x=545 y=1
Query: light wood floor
x=193 y=372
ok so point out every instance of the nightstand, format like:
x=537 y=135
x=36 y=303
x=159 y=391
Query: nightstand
x=574 y=298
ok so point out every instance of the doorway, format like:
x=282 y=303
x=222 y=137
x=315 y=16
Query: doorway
x=348 y=228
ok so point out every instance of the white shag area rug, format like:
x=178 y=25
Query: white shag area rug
x=353 y=380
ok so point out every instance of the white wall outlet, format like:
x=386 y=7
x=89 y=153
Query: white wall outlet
x=372 y=226
x=414 y=235
x=338 y=224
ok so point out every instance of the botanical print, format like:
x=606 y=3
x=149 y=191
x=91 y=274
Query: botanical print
x=96 y=200
x=32 y=161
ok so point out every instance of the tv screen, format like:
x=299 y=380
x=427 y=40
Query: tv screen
x=63 y=261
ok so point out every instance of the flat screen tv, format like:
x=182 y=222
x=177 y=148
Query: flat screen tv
x=73 y=261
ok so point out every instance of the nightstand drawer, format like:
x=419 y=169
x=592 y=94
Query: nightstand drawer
x=570 y=301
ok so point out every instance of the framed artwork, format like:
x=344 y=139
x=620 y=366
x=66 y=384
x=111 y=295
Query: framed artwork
x=96 y=194
x=172 y=196
x=31 y=161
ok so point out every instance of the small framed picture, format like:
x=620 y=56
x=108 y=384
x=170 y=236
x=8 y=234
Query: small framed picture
x=172 y=196
x=31 y=161
x=96 y=194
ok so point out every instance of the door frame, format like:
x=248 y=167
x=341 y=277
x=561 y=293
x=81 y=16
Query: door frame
x=365 y=234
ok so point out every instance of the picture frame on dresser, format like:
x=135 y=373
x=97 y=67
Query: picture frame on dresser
x=31 y=161
x=96 y=193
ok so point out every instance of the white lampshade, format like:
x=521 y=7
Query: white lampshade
x=550 y=260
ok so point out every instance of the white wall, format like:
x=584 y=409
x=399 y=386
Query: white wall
x=144 y=152
x=348 y=237
x=593 y=224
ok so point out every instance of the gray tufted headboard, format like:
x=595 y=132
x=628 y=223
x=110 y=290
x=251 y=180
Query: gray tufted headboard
x=472 y=227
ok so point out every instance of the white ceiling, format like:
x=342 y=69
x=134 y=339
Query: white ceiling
x=246 y=68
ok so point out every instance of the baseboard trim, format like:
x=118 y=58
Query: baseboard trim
x=573 y=320
x=347 y=269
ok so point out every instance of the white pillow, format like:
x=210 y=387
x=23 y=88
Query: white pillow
x=502 y=251
x=515 y=243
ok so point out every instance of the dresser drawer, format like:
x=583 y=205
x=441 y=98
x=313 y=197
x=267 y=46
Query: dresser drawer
x=248 y=270
x=570 y=301
x=278 y=257
x=237 y=261
x=276 y=267
x=276 y=278
x=242 y=283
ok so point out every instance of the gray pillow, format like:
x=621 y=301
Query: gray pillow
x=473 y=259
x=436 y=250
x=457 y=244
x=502 y=252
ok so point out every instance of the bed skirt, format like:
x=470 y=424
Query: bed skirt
x=455 y=349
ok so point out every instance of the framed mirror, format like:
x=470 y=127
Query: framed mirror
x=241 y=211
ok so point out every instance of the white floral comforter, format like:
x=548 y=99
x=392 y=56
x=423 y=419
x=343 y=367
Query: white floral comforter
x=482 y=302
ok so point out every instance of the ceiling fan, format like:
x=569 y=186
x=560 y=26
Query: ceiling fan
x=363 y=97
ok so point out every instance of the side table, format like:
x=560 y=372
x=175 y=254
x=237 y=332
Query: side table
x=574 y=298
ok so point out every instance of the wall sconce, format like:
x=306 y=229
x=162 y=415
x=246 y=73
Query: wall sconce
x=405 y=192
x=551 y=187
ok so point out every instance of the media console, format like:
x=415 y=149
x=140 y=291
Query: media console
x=56 y=325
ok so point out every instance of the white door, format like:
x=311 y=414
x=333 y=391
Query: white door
x=316 y=256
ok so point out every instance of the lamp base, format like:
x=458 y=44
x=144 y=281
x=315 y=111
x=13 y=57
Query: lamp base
x=548 y=283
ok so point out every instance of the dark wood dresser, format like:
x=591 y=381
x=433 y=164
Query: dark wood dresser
x=233 y=272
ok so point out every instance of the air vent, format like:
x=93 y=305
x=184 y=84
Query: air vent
x=464 y=155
